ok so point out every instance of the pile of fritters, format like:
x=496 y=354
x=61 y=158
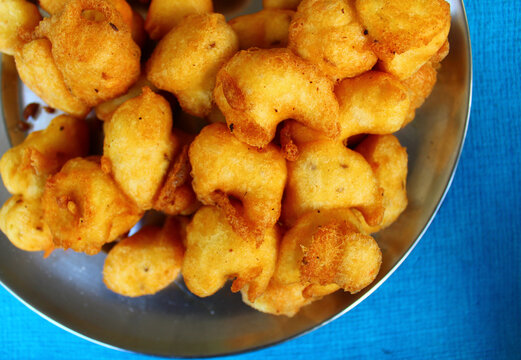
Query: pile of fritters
x=294 y=169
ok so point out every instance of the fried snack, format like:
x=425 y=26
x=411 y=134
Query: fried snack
x=257 y=89
x=404 y=34
x=163 y=15
x=186 y=60
x=26 y=167
x=281 y=4
x=93 y=49
x=216 y=253
x=176 y=196
x=38 y=71
x=247 y=184
x=265 y=29
x=146 y=262
x=16 y=16
x=54 y=7
x=22 y=222
x=284 y=299
x=105 y=110
x=442 y=53
x=84 y=208
x=325 y=249
x=328 y=34
x=419 y=86
x=328 y=175
x=373 y=103
x=139 y=146
x=388 y=159
x=130 y=17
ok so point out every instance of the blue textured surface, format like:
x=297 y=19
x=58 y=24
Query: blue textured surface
x=458 y=295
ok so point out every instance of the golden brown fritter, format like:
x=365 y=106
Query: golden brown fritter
x=38 y=71
x=404 y=34
x=93 y=49
x=186 y=60
x=139 y=146
x=419 y=87
x=328 y=34
x=26 y=167
x=146 y=262
x=216 y=253
x=105 y=110
x=281 y=4
x=328 y=175
x=22 y=222
x=265 y=29
x=372 y=103
x=84 y=208
x=16 y=16
x=328 y=248
x=284 y=299
x=54 y=7
x=259 y=88
x=247 y=184
x=163 y=15
x=388 y=160
x=176 y=196
x=130 y=17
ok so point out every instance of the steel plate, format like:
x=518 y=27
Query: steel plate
x=67 y=287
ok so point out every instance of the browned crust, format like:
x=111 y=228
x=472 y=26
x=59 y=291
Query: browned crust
x=236 y=218
x=323 y=257
x=176 y=194
x=289 y=148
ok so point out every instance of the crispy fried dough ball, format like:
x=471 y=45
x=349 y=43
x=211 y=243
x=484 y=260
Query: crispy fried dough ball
x=54 y=7
x=328 y=248
x=139 y=146
x=405 y=34
x=419 y=87
x=84 y=207
x=93 y=49
x=216 y=253
x=246 y=183
x=22 y=222
x=146 y=262
x=265 y=29
x=186 y=60
x=327 y=33
x=257 y=89
x=442 y=53
x=130 y=17
x=328 y=175
x=105 y=110
x=284 y=299
x=389 y=162
x=281 y=4
x=38 y=71
x=176 y=196
x=163 y=15
x=374 y=103
x=26 y=167
x=16 y=16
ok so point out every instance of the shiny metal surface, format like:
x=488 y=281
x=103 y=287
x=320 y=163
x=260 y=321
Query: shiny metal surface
x=67 y=287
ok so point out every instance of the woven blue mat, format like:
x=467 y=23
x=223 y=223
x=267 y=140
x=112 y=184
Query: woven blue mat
x=458 y=295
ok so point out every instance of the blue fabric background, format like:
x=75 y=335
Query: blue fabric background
x=458 y=295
